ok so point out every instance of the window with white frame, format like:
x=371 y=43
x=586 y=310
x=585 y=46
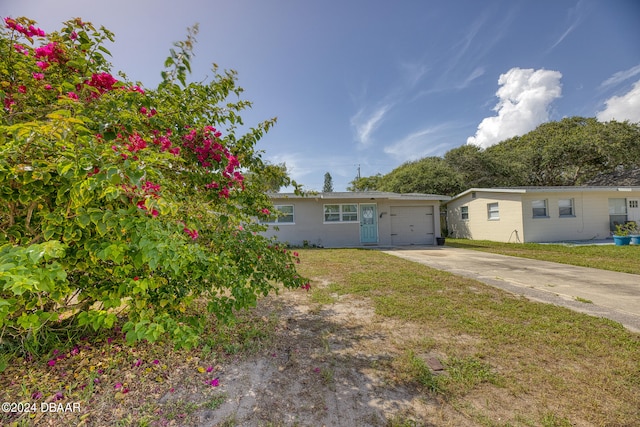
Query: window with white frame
x=565 y=207
x=283 y=215
x=539 y=208
x=633 y=203
x=464 y=212
x=341 y=213
x=493 y=212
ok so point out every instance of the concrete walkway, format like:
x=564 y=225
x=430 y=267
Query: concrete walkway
x=613 y=295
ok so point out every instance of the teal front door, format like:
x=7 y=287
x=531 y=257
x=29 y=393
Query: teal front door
x=368 y=223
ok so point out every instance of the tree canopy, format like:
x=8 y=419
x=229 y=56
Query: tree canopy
x=569 y=152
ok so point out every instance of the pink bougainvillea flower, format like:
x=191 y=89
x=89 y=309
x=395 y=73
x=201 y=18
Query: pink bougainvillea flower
x=52 y=362
x=102 y=81
x=36 y=31
x=137 y=362
x=52 y=52
x=214 y=382
x=156 y=361
x=73 y=35
x=31 y=31
x=117 y=386
x=192 y=233
x=21 y=49
x=38 y=76
x=42 y=65
x=48 y=87
x=210 y=368
x=72 y=95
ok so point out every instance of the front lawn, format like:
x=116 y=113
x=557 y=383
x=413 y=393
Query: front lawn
x=363 y=343
x=509 y=361
x=606 y=257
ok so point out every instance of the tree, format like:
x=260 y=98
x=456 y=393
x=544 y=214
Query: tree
x=431 y=175
x=272 y=177
x=328 y=183
x=124 y=205
x=365 y=183
x=569 y=152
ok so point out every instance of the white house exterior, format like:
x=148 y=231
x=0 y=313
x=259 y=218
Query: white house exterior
x=352 y=219
x=541 y=214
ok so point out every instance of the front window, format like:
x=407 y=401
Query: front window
x=283 y=215
x=617 y=213
x=539 y=208
x=492 y=211
x=464 y=212
x=341 y=213
x=565 y=206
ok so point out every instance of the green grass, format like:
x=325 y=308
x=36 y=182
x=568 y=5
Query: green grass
x=562 y=364
x=606 y=257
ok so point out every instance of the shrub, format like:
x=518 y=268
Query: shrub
x=123 y=202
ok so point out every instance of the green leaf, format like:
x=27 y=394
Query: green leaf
x=102 y=228
x=84 y=220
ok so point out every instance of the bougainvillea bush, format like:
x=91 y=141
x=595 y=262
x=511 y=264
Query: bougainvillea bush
x=123 y=204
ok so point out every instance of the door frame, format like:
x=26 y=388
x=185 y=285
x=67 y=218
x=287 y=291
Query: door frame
x=375 y=222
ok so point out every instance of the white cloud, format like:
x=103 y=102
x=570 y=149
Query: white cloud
x=524 y=97
x=425 y=142
x=621 y=76
x=365 y=124
x=476 y=73
x=624 y=107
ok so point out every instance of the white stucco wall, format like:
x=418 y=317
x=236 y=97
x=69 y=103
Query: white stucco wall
x=508 y=228
x=590 y=219
x=309 y=225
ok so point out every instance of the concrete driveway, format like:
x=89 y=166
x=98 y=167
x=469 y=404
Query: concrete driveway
x=613 y=295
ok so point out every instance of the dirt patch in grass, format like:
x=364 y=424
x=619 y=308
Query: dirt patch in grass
x=327 y=365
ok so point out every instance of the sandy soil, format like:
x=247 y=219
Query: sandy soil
x=328 y=366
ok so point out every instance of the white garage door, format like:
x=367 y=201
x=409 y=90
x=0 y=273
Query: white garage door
x=412 y=225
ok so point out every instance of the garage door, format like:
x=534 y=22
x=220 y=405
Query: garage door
x=412 y=225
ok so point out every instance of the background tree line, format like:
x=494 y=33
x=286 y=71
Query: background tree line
x=569 y=152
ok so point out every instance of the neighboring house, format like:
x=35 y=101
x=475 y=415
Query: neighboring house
x=541 y=214
x=351 y=219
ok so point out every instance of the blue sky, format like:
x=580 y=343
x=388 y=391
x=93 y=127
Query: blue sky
x=377 y=83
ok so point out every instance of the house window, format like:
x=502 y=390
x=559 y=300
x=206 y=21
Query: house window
x=633 y=203
x=341 y=213
x=464 y=212
x=492 y=211
x=617 y=212
x=539 y=208
x=284 y=215
x=565 y=207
